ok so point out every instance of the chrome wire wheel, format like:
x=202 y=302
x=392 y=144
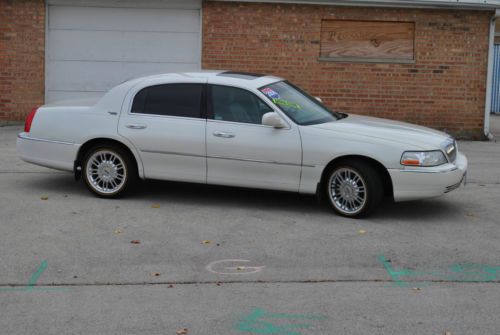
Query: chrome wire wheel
x=347 y=191
x=106 y=172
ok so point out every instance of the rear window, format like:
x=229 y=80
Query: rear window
x=183 y=100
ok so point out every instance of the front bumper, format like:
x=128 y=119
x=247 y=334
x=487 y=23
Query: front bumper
x=420 y=183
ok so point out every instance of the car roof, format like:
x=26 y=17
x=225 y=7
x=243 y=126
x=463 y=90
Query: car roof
x=245 y=79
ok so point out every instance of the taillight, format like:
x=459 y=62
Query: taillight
x=29 y=120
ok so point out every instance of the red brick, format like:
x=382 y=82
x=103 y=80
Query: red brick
x=444 y=89
x=22 y=57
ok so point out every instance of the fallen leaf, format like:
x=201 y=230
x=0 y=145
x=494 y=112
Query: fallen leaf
x=206 y=242
x=118 y=231
x=361 y=232
x=44 y=198
x=182 y=331
x=155 y=274
x=240 y=268
x=155 y=206
x=135 y=242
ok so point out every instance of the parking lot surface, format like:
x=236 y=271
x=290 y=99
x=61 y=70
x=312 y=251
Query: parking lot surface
x=195 y=259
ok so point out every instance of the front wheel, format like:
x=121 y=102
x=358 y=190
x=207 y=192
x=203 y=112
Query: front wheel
x=108 y=171
x=354 y=189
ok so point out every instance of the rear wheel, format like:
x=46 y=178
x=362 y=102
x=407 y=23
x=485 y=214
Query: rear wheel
x=108 y=171
x=354 y=188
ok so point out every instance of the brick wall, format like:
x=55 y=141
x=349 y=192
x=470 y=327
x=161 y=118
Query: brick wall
x=444 y=89
x=22 y=57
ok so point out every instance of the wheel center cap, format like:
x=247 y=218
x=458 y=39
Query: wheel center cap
x=347 y=191
x=107 y=172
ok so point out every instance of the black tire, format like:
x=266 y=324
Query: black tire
x=344 y=196
x=110 y=155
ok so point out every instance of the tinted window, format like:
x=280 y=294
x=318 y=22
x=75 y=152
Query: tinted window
x=237 y=105
x=170 y=99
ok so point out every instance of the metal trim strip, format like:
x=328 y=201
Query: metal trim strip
x=226 y=158
x=29 y=138
x=430 y=171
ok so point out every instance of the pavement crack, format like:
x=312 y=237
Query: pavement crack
x=227 y=282
x=32 y=172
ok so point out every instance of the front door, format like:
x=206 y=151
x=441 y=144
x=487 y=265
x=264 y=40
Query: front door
x=166 y=123
x=243 y=152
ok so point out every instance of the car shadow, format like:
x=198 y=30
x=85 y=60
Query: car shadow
x=235 y=197
x=423 y=211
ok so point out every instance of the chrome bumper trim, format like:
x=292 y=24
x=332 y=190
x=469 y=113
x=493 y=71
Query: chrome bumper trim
x=430 y=171
x=29 y=138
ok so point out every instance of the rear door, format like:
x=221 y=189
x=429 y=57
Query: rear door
x=166 y=123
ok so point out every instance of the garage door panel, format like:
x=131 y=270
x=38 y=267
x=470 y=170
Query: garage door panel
x=91 y=49
x=81 y=76
x=123 y=46
x=120 y=19
x=53 y=96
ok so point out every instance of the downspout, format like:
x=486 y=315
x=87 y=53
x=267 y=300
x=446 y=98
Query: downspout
x=489 y=76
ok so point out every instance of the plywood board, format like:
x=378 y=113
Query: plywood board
x=367 y=39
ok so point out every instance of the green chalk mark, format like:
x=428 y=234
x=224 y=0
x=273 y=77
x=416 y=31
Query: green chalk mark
x=37 y=274
x=295 y=316
x=251 y=323
x=32 y=282
x=396 y=275
x=476 y=272
x=469 y=272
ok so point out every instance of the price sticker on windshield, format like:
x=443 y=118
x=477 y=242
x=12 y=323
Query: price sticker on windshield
x=271 y=93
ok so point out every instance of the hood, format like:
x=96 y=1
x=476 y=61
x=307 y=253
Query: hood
x=376 y=128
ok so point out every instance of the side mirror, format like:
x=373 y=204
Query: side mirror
x=319 y=99
x=273 y=119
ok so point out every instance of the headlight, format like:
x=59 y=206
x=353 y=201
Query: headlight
x=423 y=158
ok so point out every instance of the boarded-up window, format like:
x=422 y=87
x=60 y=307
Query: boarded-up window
x=367 y=40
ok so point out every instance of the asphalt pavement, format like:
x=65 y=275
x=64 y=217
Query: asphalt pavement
x=178 y=258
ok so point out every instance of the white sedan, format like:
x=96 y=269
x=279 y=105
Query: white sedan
x=240 y=129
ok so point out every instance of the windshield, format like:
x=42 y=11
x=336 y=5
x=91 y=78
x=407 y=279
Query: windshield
x=297 y=104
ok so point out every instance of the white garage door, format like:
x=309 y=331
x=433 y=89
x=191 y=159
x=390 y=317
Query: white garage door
x=91 y=49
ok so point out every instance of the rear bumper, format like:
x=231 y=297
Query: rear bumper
x=52 y=154
x=420 y=183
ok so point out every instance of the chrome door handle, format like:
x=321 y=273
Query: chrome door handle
x=136 y=126
x=223 y=134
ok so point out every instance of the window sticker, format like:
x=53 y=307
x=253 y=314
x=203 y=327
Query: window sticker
x=286 y=103
x=271 y=93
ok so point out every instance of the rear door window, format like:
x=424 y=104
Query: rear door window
x=182 y=100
